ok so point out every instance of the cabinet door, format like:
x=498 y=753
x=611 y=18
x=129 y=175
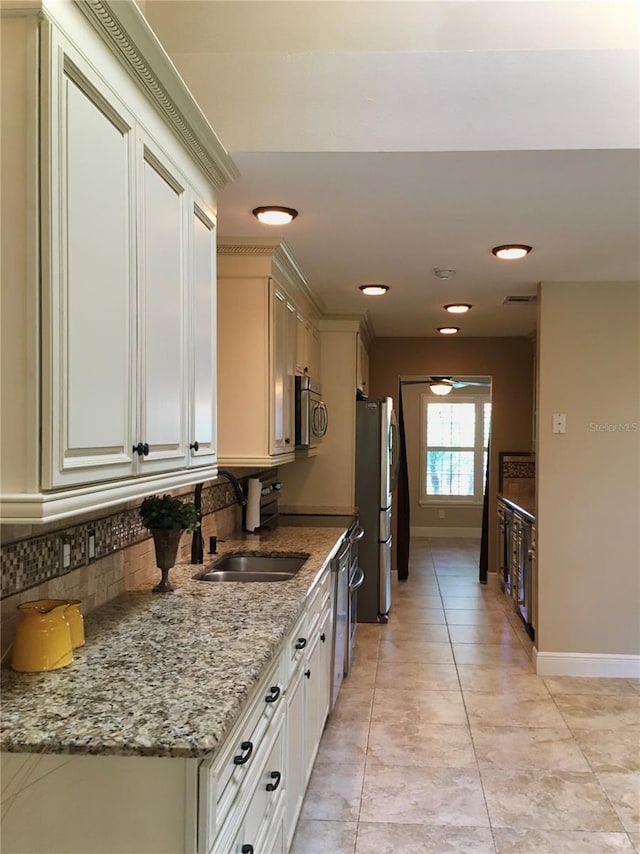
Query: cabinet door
x=290 y=374
x=280 y=439
x=317 y=694
x=295 y=781
x=88 y=374
x=202 y=275
x=163 y=375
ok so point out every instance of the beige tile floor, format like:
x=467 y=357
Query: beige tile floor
x=443 y=739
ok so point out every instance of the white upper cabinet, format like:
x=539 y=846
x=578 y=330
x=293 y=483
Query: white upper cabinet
x=90 y=417
x=162 y=315
x=259 y=290
x=109 y=272
x=202 y=421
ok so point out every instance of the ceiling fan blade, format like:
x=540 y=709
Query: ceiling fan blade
x=462 y=384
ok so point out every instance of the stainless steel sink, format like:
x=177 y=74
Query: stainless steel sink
x=240 y=566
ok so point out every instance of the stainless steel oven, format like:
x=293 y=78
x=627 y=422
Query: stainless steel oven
x=356 y=580
x=340 y=580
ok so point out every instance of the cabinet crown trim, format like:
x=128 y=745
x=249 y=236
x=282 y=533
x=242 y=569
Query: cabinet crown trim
x=282 y=258
x=123 y=27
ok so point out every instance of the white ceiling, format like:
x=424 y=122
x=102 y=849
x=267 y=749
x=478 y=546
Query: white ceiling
x=414 y=135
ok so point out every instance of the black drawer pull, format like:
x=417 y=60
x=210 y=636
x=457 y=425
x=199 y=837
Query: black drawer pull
x=273 y=696
x=247 y=748
x=307 y=673
x=301 y=643
x=277 y=776
x=142 y=449
x=246 y=849
x=323 y=637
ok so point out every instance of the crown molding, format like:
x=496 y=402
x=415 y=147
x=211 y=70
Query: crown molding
x=282 y=258
x=123 y=27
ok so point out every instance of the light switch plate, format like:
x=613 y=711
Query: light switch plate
x=559 y=422
x=66 y=555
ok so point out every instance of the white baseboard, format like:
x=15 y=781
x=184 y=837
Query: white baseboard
x=586 y=664
x=453 y=533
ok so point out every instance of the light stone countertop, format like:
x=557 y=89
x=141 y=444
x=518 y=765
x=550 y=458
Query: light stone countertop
x=166 y=674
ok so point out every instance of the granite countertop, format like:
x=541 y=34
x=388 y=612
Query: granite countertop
x=165 y=674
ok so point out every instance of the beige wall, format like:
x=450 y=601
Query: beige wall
x=589 y=478
x=509 y=363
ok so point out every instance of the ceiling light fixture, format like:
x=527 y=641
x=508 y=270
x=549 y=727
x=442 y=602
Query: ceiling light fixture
x=440 y=388
x=448 y=330
x=275 y=215
x=511 y=251
x=458 y=308
x=444 y=272
x=374 y=290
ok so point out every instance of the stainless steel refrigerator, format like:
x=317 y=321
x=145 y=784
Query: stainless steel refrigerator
x=376 y=468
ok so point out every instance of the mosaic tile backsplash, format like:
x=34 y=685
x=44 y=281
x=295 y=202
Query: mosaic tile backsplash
x=34 y=560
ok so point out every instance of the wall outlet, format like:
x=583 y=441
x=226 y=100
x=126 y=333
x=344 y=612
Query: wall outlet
x=559 y=422
x=440 y=514
x=91 y=545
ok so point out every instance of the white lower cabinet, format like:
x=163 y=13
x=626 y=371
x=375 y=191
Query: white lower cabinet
x=245 y=800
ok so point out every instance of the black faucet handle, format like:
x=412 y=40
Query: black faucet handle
x=213 y=542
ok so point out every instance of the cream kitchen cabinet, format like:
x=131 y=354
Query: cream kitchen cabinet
x=259 y=285
x=245 y=797
x=307 y=697
x=109 y=272
x=308 y=348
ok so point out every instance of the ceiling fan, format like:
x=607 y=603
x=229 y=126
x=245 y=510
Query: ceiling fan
x=443 y=385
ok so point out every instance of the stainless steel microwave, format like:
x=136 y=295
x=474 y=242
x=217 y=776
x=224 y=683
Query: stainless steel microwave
x=311 y=413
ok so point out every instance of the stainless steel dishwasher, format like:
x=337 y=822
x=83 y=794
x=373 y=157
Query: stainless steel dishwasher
x=340 y=580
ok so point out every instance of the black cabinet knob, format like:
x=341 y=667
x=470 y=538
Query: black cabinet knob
x=287 y=441
x=247 y=750
x=194 y=446
x=246 y=849
x=301 y=643
x=307 y=673
x=142 y=449
x=273 y=695
x=323 y=637
x=276 y=776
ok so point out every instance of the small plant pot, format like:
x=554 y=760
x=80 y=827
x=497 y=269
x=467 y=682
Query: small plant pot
x=166 y=543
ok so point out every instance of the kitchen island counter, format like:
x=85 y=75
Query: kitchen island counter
x=166 y=674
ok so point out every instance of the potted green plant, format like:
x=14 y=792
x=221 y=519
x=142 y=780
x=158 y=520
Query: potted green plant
x=167 y=517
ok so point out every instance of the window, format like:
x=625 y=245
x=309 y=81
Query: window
x=455 y=437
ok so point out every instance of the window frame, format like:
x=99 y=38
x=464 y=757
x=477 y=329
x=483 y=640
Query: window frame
x=477 y=499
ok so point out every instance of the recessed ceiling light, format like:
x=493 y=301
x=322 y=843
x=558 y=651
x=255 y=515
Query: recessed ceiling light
x=511 y=251
x=458 y=308
x=374 y=290
x=275 y=215
x=448 y=330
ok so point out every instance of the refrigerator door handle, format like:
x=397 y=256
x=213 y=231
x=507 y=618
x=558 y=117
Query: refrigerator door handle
x=395 y=452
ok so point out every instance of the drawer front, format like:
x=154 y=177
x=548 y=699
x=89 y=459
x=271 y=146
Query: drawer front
x=221 y=779
x=319 y=599
x=296 y=645
x=267 y=793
